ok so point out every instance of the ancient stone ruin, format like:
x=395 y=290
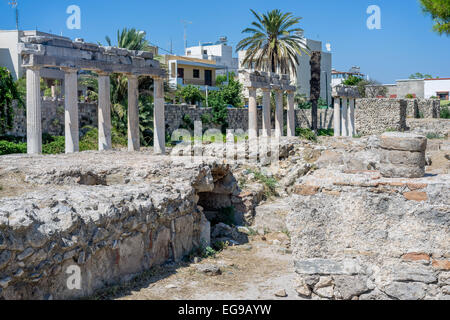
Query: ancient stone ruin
x=72 y=56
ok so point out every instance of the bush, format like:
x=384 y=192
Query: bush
x=7 y=147
x=270 y=184
x=325 y=132
x=307 y=134
x=191 y=94
x=56 y=146
x=445 y=112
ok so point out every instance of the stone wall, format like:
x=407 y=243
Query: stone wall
x=375 y=116
x=117 y=220
x=362 y=240
x=423 y=108
x=238 y=117
x=440 y=127
x=53 y=118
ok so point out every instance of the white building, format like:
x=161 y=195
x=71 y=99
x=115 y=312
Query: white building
x=220 y=52
x=11 y=59
x=437 y=88
x=302 y=81
x=419 y=88
x=340 y=76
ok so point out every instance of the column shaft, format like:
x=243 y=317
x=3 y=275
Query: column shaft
x=351 y=118
x=279 y=113
x=337 y=117
x=71 y=111
x=291 y=116
x=252 y=114
x=159 y=118
x=266 y=121
x=133 y=114
x=104 y=113
x=344 y=117
x=34 y=117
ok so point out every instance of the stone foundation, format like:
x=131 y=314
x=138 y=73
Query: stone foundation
x=119 y=219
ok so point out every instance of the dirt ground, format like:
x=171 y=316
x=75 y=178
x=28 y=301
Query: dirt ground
x=252 y=271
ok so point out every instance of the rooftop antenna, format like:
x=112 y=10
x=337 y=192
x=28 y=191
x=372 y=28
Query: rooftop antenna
x=185 y=23
x=14 y=4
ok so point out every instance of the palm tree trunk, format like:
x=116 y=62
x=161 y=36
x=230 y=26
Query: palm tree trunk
x=315 y=87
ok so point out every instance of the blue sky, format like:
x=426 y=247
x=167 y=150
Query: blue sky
x=404 y=45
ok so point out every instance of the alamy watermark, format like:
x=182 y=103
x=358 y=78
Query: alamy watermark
x=374 y=20
x=74 y=20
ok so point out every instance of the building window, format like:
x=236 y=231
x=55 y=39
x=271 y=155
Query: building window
x=189 y=52
x=442 y=95
x=180 y=73
x=205 y=51
x=196 y=73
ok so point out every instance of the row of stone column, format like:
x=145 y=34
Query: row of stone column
x=34 y=118
x=344 y=117
x=266 y=114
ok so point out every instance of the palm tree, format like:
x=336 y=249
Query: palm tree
x=275 y=42
x=130 y=39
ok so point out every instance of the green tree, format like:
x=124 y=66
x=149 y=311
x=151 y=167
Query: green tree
x=352 y=81
x=419 y=75
x=232 y=93
x=191 y=94
x=8 y=93
x=275 y=42
x=218 y=108
x=440 y=12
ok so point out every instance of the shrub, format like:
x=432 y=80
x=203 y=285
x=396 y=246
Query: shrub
x=269 y=183
x=307 y=134
x=326 y=132
x=445 y=112
x=56 y=146
x=191 y=94
x=409 y=96
x=7 y=147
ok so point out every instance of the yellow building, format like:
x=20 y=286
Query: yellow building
x=185 y=71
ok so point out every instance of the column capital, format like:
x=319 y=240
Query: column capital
x=132 y=75
x=103 y=73
x=69 y=70
x=34 y=68
x=265 y=89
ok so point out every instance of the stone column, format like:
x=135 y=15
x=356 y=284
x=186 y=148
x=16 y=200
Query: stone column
x=279 y=121
x=344 y=117
x=252 y=114
x=71 y=110
x=337 y=117
x=159 y=140
x=34 y=117
x=402 y=155
x=266 y=121
x=291 y=115
x=104 y=112
x=133 y=113
x=351 y=118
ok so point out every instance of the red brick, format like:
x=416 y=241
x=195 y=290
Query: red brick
x=306 y=190
x=416 y=256
x=416 y=186
x=416 y=196
x=441 y=265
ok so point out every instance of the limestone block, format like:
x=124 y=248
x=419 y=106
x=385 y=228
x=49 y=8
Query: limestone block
x=403 y=141
x=399 y=171
x=406 y=158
